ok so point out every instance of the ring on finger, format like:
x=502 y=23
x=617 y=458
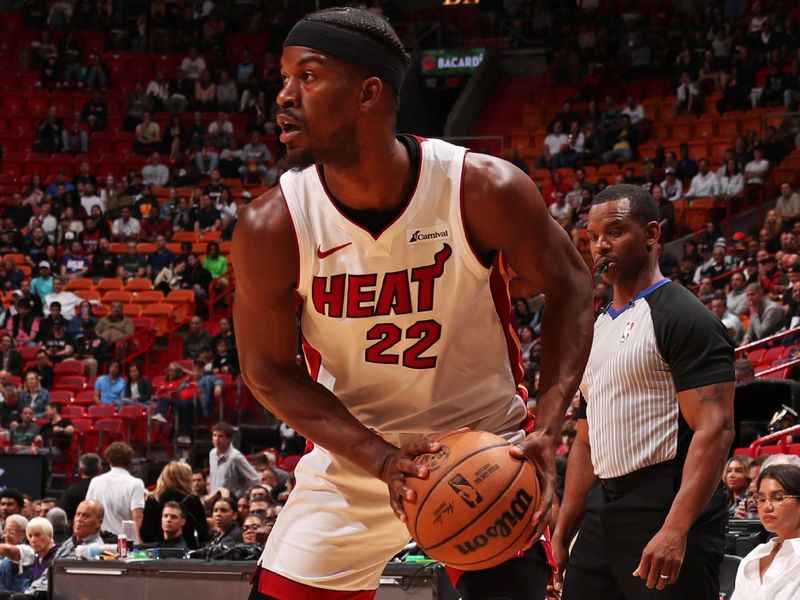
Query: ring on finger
x=665 y=577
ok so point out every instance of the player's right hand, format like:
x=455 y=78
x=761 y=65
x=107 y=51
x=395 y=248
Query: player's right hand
x=400 y=465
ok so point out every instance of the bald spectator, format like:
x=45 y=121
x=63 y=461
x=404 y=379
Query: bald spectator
x=115 y=326
x=85 y=529
x=154 y=173
x=788 y=203
x=197 y=340
x=121 y=494
x=766 y=316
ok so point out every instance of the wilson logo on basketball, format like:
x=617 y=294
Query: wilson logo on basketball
x=502 y=527
x=434 y=461
x=465 y=490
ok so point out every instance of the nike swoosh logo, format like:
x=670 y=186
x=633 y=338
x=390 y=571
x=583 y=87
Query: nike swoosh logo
x=325 y=253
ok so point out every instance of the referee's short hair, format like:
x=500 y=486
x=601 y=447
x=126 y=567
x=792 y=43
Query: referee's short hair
x=643 y=207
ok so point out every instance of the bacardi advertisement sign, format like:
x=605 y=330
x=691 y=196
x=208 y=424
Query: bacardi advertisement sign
x=451 y=62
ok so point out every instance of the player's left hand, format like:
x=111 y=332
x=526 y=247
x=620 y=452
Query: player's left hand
x=663 y=555
x=541 y=451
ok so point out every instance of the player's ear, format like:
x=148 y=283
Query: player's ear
x=653 y=233
x=371 y=90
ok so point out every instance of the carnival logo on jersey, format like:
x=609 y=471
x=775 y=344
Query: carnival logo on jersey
x=428 y=234
x=627 y=331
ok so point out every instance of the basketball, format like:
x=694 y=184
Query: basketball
x=474 y=510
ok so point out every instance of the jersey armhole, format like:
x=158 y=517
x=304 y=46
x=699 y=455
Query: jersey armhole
x=473 y=260
x=301 y=236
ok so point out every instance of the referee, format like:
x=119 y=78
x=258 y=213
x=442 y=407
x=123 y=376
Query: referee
x=655 y=426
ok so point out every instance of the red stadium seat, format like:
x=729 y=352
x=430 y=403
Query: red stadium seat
x=101 y=411
x=69 y=367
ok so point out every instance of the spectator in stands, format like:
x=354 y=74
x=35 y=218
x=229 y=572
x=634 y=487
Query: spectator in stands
x=766 y=317
x=193 y=65
x=40 y=552
x=11 y=502
x=104 y=262
x=9 y=414
x=158 y=90
x=207 y=218
x=174 y=485
x=197 y=340
x=48 y=134
x=154 y=173
x=769 y=571
x=131 y=264
x=788 y=203
x=117 y=200
x=23 y=326
x=555 y=143
x=205 y=93
x=206 y=159
x=227 y=95
x=147 y=135
x=732 y=323
x=97 y=77
x=24 y=433
x=95 y=113
x=229 y=468
x=704 y=184
x=732 y=181
x=559 y=210
x=53 y=316
x=34 y=395
x=89 y=348
x=736 y=480
x=126 y=227
x=220 y=132
x=89 y=199
x=635 y=112
x=50 y=75
x=10 y=359
x=138 y=388
x=226 y=530
x=18 y=212
x=757 y=170
x=161 y=259
x=44 y=368
x=256 y=529
x=73 y=496
x=74 y=265
x=689 y=97
x=14 y=577
x=57 y=344
x=75 y=138
x=769 y=274
x=137 y=104
x=172 y=524
x=121 y=494
x=55 y=436
x=67 y=301
x=199 y=483
x=216 y=264
x=86 y=525
x=623 y=142
x=109 y=389
x=174 y=139
x=225 y=359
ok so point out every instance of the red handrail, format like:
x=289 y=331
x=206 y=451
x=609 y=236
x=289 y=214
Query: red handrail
x=778 y=367
x=764 y=341
x=778 y=435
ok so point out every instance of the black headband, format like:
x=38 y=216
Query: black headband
x=370 y=55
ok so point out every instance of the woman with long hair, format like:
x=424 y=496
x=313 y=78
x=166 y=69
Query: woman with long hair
x=736 y=480
x=175 y=484
x=772 y=570
x=33 y=394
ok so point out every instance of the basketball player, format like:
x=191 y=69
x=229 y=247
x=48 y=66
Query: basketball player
x=655 y=426
x=394 y=249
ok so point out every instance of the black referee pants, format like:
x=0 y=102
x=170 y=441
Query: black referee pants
x=619 y=524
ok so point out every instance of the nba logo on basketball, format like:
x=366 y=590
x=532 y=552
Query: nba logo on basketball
x=465 y=491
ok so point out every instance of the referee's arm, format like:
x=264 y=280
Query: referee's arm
x=579 y=480
x=708 y=410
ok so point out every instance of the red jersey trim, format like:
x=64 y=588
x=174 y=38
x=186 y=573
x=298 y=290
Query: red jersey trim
x=498 y=284
x=278 y=587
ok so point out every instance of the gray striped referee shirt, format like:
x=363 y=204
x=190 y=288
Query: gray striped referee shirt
x=663 y=342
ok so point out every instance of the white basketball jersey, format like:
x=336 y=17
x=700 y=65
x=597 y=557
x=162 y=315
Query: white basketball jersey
x=407 y=328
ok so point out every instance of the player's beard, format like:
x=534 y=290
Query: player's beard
x=340 y=149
